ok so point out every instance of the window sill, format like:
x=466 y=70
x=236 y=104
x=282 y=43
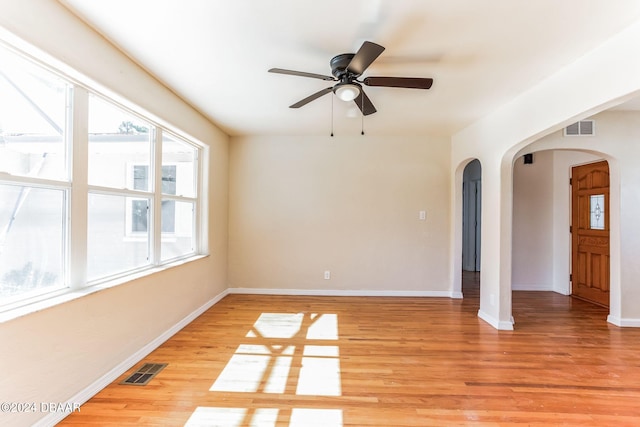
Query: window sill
x=43 y=302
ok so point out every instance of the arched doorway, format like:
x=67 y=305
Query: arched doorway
x=471 y=218
x=545 y=229
x=471 y=225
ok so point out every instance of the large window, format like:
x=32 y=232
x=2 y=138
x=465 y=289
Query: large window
x=130 y=184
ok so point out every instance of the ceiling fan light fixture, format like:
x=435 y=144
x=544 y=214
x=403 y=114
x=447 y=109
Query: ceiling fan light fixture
x=347 y=91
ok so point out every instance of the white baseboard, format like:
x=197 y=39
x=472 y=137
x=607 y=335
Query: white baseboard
x=342 y=292
x=90 y=391
x=623 y=323
x=496 y=323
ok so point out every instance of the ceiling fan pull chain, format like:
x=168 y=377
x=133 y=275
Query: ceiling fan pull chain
x=332 y=116
x=362 y=111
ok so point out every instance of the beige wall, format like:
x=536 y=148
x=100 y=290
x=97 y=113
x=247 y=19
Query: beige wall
x=61 y=352
x=350 y=204
x=533 y=223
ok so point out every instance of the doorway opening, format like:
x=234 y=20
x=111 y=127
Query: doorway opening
x=561 y=239
x=471 y=224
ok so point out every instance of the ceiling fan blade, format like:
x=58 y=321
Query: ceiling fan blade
x=367 y=53
x=301 y=74
x=406 y=82
x=310 y=98
x=364 y=104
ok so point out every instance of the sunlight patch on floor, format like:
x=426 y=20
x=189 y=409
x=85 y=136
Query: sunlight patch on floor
x=319 y=376
x=269 y=362
x=278 y=325
x=242 y=373
x=324 y=327
x=263 y=417
x=302 y=417
x=216 y=417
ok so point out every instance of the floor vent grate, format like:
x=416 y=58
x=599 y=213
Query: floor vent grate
x=143 y=375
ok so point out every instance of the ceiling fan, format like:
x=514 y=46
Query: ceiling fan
x=346 y=69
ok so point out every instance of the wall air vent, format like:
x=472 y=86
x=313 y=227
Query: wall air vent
x=581 y=128
x=143 y=375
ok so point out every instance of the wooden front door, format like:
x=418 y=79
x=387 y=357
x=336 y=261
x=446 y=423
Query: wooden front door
x=590 y=232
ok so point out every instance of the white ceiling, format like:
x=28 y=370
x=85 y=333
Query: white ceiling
x=215 y=55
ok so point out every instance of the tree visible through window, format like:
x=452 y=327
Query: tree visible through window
x=131 y=128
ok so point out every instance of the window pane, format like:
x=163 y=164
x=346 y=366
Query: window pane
x=181 y=156
x=32 y=119
x=597 y=212
x=139 y=215
x=168 y=216
x=178 y=215
x=117 y=240
x=32 y=241
x=117 y=139
x=169 y=179
x=141 y=177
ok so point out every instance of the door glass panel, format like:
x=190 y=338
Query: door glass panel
x=597 y=212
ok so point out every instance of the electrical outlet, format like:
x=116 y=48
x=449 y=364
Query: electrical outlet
x=423 y=215
x=327 y=275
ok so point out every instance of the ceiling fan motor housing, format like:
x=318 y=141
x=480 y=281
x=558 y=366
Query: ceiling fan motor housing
x=339 y=65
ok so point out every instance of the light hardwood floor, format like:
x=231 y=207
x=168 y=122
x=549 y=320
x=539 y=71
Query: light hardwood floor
x=377 y=361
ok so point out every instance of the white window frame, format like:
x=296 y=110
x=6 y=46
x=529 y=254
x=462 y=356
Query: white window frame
x=76 y=193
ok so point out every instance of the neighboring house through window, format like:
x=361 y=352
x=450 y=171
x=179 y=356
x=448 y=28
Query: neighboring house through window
x=139 y=207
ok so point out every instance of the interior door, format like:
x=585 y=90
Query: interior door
x=590 y=232
x=478 y=226
x=471 y=225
